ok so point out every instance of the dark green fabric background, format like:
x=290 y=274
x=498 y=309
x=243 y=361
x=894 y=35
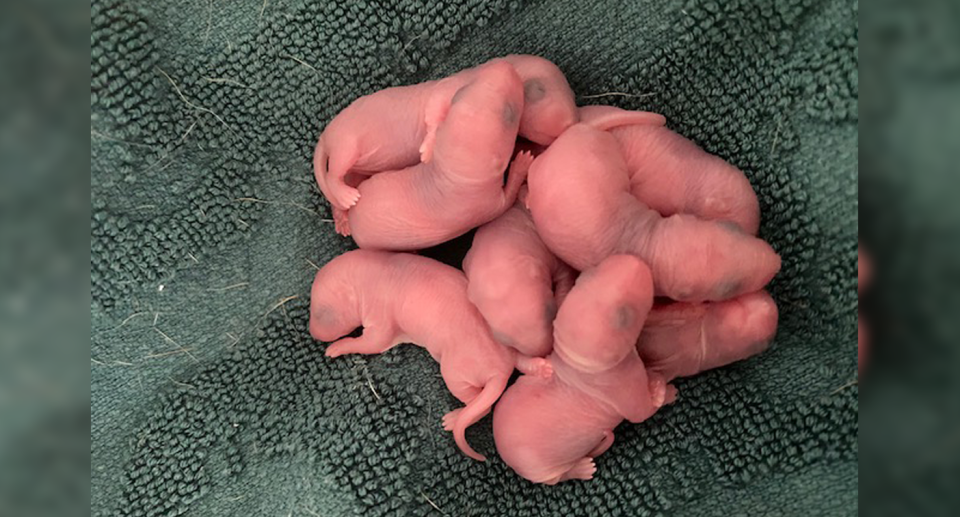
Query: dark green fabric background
x=209 y=396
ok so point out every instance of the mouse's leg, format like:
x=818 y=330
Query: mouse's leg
x=342 y=196
x=341 y=221
x=671 y=395
x=584 y=468
x=465 y=394
x=450 y=419
x=516 y=175
x=534 y=366
x=374 y=340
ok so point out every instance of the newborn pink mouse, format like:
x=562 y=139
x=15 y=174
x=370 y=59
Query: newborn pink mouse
x=462 y=187
x=684 y=339
x=549 y=429
x=516 y=282
x=403 y=298
x=581 y=201
x=396 y=128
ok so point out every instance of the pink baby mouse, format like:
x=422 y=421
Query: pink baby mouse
x=396 y=128
x=684 y=339
x=462 y=187
x=550 y=428
x=516 y=282
x=581 y=201
x=404 y=298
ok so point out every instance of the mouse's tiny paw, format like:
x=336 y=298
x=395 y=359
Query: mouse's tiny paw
x=341 y=221
x=450 y=419
x=334 y=350
x=345 y=196
x=584 y=469
x=658 y=390
x=522 y=161
x=542 y=368
x=671 y=395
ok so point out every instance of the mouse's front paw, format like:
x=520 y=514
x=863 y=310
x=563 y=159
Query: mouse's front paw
x=542 y=368
x=535 y=366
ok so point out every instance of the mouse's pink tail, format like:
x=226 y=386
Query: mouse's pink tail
x=605 y=118
x=474 y=411
x=320 y=159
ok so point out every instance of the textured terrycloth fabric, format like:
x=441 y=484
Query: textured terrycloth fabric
x=209 y=396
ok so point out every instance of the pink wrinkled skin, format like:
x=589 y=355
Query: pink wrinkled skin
x=403 y=298
x=395 y=128
x=582 y=204
x=684 y=339
x=549 y=428
x=671 y=175
x=511 y=276
x=462 y=186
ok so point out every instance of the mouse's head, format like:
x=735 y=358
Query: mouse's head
x=549 y=105
x=516 y=299
x=477 y=137
x=599 y=322
x=333 y=301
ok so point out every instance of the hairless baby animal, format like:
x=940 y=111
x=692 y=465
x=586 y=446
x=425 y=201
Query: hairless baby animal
x=516 y=282
x=396 y=128
x=404 y=298
x=462 y=186
x=581 y=201
x=550 y=428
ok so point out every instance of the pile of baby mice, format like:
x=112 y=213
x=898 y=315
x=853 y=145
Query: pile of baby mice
x=612 y=256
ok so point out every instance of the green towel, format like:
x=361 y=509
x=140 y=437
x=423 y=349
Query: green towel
x=210 y=398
